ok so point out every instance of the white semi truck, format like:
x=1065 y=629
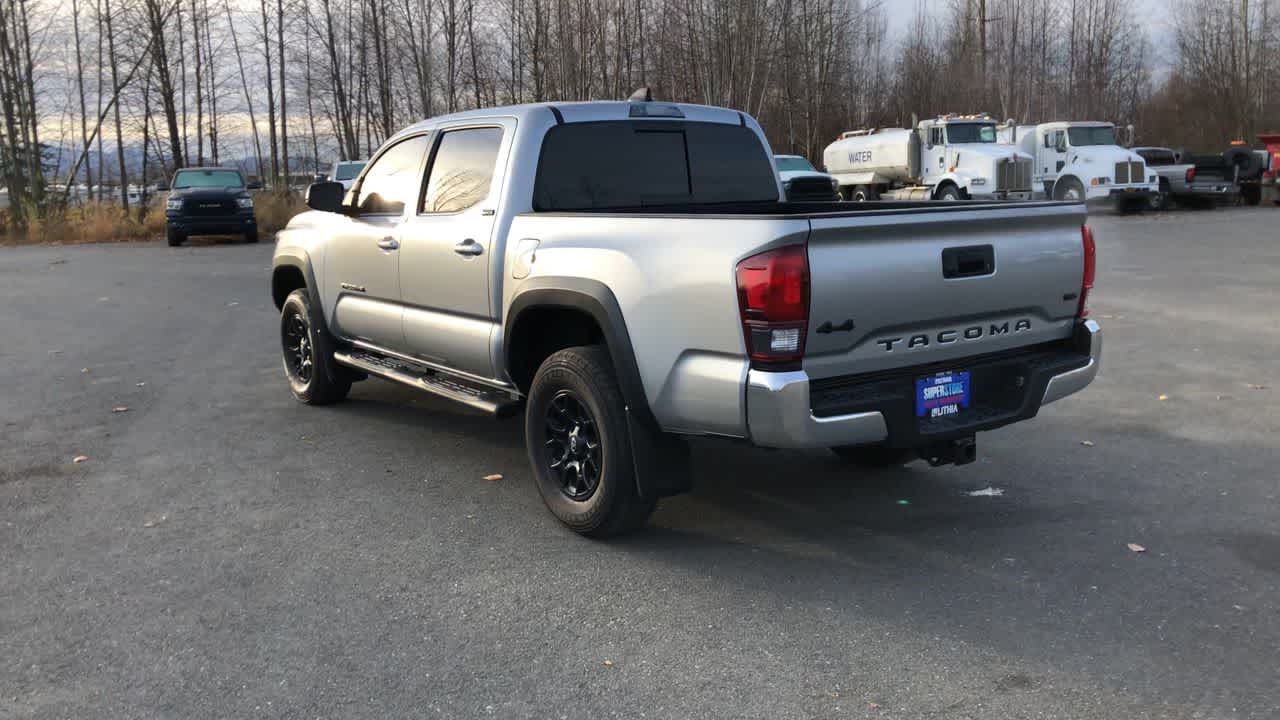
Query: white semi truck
x=1082 y=161
x=948 y=158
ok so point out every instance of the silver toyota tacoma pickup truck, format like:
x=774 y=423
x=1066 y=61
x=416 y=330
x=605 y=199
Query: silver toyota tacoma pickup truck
x=628 y=274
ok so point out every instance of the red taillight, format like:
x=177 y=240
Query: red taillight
x=1191 y=174
x=773 y=301
x=1090 y=270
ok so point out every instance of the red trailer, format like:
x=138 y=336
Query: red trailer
x=1272 y=171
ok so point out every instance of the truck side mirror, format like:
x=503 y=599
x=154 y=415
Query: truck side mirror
x=325 y=196
x=1061 y=144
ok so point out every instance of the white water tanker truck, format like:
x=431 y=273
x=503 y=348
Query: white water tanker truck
x=952 y=157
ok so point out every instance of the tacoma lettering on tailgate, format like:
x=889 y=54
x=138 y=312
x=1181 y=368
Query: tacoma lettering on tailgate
x=946 y=337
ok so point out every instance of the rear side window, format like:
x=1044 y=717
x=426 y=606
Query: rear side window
x=462 y=170
x=635 y=164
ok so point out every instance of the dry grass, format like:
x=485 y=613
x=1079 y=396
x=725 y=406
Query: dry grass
x=274 y=210
x=107 y=222
x=91 y=223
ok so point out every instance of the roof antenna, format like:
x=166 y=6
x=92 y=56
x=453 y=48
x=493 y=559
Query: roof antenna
x=643 y=94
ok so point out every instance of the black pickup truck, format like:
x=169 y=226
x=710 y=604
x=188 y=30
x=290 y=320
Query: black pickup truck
x=209 y=201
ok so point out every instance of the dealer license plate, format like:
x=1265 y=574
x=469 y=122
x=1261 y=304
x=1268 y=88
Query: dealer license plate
x=942 y=394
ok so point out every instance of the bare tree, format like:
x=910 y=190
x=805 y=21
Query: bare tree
x=284 y=115
x=84 y=113
x=122 y=171
x=199 y=59
x=158 y=14
x=244 y=83
x=271 y=96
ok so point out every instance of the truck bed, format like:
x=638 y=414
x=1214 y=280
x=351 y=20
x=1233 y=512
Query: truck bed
x=881 y=296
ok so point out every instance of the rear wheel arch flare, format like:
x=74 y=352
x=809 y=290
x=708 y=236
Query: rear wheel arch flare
x=542 y=330
x=576 y=299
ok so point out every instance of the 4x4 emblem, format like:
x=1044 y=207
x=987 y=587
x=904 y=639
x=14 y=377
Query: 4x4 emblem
x=827 y=328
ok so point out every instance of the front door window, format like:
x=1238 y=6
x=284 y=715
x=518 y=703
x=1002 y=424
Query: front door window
x=392 y=181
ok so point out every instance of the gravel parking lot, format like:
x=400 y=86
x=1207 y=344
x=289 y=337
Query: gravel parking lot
x=226 y=552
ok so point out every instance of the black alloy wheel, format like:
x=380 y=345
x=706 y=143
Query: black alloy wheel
x=299 y=353
x=313 y=376
x=572 y=450
x=579 y=445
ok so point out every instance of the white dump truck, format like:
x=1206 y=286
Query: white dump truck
x=951 y=157
x=1082 y=161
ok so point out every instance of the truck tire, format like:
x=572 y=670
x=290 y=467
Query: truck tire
x=251 y=236
x=174 y=237
x=1251 y=195
x=1159 y=200
x=579 y=447
x=1248 y=166
x=307 y=348
x=948 y=193
x=1069 y=190
x=865 y=193
x=873 y=457
x=1130 y=206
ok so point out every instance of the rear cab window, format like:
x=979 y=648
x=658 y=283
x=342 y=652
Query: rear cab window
x=1157 y=157
x=628 y=164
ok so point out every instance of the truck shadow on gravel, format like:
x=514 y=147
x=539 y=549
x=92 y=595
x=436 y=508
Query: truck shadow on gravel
x=741 y=494
x=815 y=497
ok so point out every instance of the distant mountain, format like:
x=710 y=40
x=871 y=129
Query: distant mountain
x=61 y=158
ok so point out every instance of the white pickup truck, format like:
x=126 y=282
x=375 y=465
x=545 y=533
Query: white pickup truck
x=492 y=258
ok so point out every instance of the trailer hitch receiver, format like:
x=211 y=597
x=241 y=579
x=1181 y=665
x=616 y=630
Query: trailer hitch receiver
x=960 y=451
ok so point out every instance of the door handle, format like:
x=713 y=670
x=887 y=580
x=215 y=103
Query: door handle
x=468 y=247
x=388 y=243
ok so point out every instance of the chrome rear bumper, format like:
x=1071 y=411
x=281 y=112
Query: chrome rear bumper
x=780 y=405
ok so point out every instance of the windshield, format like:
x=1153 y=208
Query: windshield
x=347 y=171
x=1095 y=135
x=793 y=164
x=970 y=133
x=207 y=178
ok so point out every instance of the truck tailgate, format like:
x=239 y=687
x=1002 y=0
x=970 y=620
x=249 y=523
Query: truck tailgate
x=905 y=288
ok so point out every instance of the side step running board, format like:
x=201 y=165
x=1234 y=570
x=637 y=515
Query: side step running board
x=492 y=401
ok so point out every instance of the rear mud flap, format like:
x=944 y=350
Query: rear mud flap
x=662 y=461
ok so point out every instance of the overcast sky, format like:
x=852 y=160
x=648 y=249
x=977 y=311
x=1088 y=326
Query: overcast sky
x=1153 y=14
